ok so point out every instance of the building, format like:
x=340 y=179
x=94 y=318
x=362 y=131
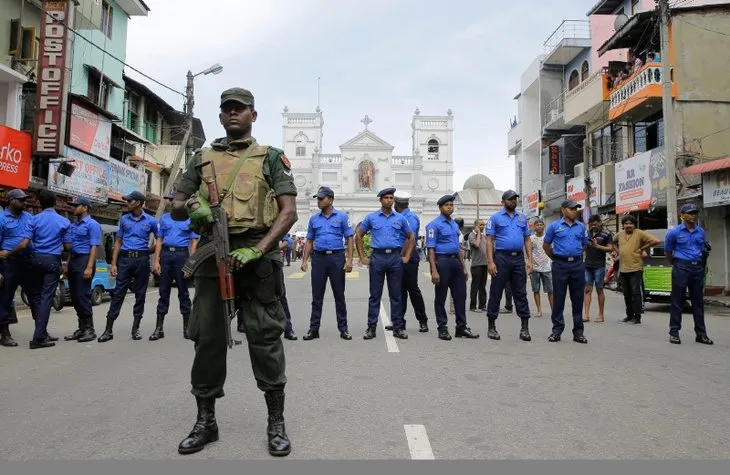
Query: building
x=366 y=164
x=478 y=199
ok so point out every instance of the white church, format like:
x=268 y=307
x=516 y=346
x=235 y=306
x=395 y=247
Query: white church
x=366 y=164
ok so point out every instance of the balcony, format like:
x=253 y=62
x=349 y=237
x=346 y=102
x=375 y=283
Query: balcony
x=586 y=102
x=567 y=42
x=639 y=95
x=514 y=139
x=554 y=116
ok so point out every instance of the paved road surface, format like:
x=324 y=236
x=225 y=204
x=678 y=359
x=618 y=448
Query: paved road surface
x=627 y=394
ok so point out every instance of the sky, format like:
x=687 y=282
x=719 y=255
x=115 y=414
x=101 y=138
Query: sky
x=382 y=58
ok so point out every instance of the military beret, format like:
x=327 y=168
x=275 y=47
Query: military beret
x=445 y=199
x=237 y=94
x=386 y=191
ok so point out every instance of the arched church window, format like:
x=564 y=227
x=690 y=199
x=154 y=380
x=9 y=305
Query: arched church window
x=301 y=145
x=584 y=71
x=573 y=80
x=433 y=149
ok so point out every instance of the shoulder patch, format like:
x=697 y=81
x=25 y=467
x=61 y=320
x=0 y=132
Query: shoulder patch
x=285 y=161
x=430 y=232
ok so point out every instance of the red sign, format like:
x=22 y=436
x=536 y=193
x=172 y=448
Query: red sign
x=51 y=95
x=15 y=150
x=90 y=132
x=554 y=159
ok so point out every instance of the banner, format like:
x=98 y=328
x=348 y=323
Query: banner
x=575 y=189
x=641 y=181
x=716 y=188
x=124 y=179
x=531 y=204
x=90 y=132
x=15 y=150
x=89 y=179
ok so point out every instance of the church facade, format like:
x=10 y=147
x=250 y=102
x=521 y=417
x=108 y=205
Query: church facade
x=366 y=164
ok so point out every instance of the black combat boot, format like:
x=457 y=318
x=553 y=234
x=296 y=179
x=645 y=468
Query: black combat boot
x=88 y=333
x=279 y=444
x=525 y=331
x=159 y=332
x=492 y=333
x=79 y=331
x=108 y=333
x=6 y=338
x=204 y=431
x=186 y=321
x=135 y=328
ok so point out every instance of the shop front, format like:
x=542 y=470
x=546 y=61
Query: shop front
x=15 y=158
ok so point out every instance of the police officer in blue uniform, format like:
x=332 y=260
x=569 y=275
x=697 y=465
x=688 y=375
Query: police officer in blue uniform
x=410 y=269
x=392 y=245
x=81 y=241
x=175 y=243
x=508 y=243
x=330 y=243
x=685 y=246
x=14 y=260
x=46 y=233
x=131 y=260
x=565 y=241
x=448 y=269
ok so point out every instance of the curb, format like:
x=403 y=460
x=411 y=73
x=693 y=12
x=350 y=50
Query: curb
x=717 y=303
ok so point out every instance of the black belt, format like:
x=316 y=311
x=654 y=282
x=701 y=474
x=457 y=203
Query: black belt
x=567 y=258
x=448 y=256
x=388 y=250
x=511 y=253
x=77 y=254
x=134 y=253
x=174 y=249
x=334 y=251
x=687 y=261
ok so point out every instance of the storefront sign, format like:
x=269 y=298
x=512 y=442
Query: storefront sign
x=554 y=159
x=641 y=182
x=575 y=189
x=15 y=150
x=124 y=179
x=89 y=179
x=90 y=132
x=531 y=206
x=716 y=188
x=51 y=96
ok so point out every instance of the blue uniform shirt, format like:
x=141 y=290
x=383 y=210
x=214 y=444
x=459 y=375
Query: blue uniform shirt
x=442 y=235
x=388 y=232
x=13 y=230
x=415 y=224
x=328 y=233
x=47 y=231
x=567 y=239
x=135 y=233
x=175 y=233
x=509 y=233
x=685 y=244
x=83 y=235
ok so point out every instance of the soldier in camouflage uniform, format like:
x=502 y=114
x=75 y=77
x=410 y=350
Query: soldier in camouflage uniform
x=260 y=204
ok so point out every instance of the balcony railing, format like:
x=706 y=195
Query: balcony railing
x=649 y=75
x=555 y=110
x=568 y=29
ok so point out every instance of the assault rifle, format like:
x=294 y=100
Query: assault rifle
x=220 y=248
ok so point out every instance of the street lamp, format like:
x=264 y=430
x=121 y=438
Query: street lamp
x=189 y=90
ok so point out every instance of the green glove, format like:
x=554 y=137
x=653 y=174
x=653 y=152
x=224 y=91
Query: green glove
x=245 y=255
x=199 y=213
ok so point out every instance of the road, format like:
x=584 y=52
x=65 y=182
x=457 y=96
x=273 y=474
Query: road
x=627 y=394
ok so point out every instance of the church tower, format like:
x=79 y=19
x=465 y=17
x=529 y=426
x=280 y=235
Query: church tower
x=301 y=140
x=433 y=139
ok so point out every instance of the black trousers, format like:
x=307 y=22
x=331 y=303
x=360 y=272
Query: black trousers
x=478 y=291
x=632 y=284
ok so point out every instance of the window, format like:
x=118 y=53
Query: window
x=606 y=144
x=107 y=19
x=149 y=181
x=648 y=135
x=98 y=91
x=574 y=80
x=433 y=150
x=301 y=151
x=584 y=71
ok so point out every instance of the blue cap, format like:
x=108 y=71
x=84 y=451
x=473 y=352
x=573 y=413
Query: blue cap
x=16 y=194
x=324 y=191
x=386 y=191
x=570 y=204
x=135 y=195
x=509 y=194
x=689 y=208
x=445 y=199
x=81 y=201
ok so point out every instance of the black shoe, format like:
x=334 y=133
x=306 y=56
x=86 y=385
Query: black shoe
x=423 y=327
x=400 y=333
x=345 y=335
x=135 y=328
x=36 y=344
x=492 y=333
x=465 y=333
x=108 y=334
x=241 y=328
x=389 y=327
x=369 y=334
x=580 y=339
x=637 y=320
x=51 y=338
x=704 y=340
x=290 y=335
x=525 y=330
x=279 y=444
x=186 y=322
x=554 y=337
x=88 y=332
x=627 y=320
x=311 y=335
x=204 y=431
x=444 y=334
x=6 y=339
x=159 y=332
x=76 y=334
x=675 y=340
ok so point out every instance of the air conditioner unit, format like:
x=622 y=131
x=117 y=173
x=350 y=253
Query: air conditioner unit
x=579 y=170
x=608 y=178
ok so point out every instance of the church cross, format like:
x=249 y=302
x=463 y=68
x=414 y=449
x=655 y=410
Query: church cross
x=367 y=121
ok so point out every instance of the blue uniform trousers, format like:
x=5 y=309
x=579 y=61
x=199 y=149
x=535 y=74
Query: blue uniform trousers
x=568 y=277
x=46 y=270
x=15 y=271
x=79 y=287
x=410 y=287
x=451 y=274
x=128 y=268
x=384 y=265
x=687 y=276
x=328 y=266
x=171 y=264
x=512 y=274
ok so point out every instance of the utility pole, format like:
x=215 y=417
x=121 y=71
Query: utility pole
x=587 y=173
x=670 y=146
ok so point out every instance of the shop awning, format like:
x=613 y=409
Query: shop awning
x=706 y=167
x=632 y=33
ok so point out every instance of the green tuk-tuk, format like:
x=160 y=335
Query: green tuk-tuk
x=657 y=271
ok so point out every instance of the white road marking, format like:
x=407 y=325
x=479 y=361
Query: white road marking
x=389 y=338
x=418 y=442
